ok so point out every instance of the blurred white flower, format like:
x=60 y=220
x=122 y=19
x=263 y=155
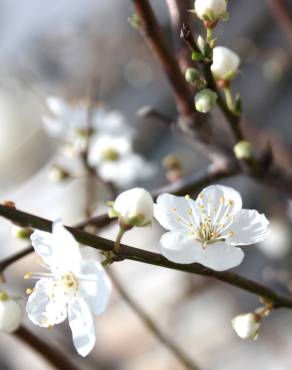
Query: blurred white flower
x=210 y=10
x=225 y=63
x=74 y=287
x=116 y=162
x=278 y=245
x=134 y=207
x=207 y=230
x=247 y=325
x=10 y=313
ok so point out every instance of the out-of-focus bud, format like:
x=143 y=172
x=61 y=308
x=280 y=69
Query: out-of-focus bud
x=192 y=75
x=173 y=168
x=10 y=313
x=247 y=325
x=133 y=207
x=225 y=63
x=21 y=232
x=205 y=100
x=210 y=10
x=201 y=43
x=58 y=174
x=243 y=150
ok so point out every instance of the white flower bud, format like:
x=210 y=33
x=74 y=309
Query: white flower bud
x=205 y=100
x=225 y=63
x=10 y=314
x=134 y=207
x=201 y=43
x=243 y=150
x=210 y=10
x=247 y=325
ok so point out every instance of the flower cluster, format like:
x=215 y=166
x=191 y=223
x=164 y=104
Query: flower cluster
x=110 y=140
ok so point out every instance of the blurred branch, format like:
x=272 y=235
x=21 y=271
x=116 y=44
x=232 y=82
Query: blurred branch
x=283 y=15
x=151 y=325
x=136 y=254
x=53 y=356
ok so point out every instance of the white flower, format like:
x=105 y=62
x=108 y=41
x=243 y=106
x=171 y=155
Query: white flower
x=225 y=63
x=10 y=313
x=74 y=288
x=210 y=9
x=116 y=162
x=134 y=207
x=207 y=230
x=247 y=325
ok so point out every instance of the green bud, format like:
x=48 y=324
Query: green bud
x=135 y=21
x=192 y=75
x=205 y=100
x=197 y=56
x=243 y=150
x=21 y=232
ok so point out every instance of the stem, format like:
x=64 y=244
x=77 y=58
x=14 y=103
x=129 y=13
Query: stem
x=140 y=255
x=117 y=245
x=229 y=98
x=209 y=35
x=54 y=356
x=151 y=325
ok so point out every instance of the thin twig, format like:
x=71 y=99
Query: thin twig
x=136 y=254
x=53 y=356
x=151 y=324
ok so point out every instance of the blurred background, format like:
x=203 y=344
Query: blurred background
x=58 y=48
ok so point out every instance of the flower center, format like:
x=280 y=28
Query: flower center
x=110 y=154
x=69 y=282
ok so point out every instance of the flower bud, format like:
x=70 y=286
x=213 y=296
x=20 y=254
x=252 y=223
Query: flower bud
x=21 y=232
x=134 y=207
x=243 y=150
x=205 y=100
x=10 y=313
x=192 y=75
x=247 y=325
x=201 y=43
x=225 y=63
x=210 y=10
x=58 y=174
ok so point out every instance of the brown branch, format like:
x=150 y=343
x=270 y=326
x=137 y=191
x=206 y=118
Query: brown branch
x=151 y=325
x=283 y=15
x=136 y=254
x=53 y=356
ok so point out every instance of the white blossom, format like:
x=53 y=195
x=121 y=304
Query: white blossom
x=116 y=162
x=247 y=325
x=74 y=288
x=207 y=230
x=10 y=313
x=210 y=9
x=225 y=63
x=134 y=207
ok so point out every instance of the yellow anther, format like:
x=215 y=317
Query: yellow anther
x=201 y=196
x=39 y=260
x=50 y=327
x=190 y=211
x=187 y=196
x=230 y=203
x=28 y=291
x=27 y=276
x=221 y=200
x=173 y=209
x=231 y=233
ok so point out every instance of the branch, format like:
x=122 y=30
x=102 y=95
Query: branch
x=151 y=325
x=283 y=15
x=136 y=254
x=54 y=356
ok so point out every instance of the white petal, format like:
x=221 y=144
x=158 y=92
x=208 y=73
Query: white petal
x=41 y=310
x=171 y=211
x=82 y=326
x=216 y=194
x=57 y=105
x=59 y=250
x=53 y=126
x=249 y=227
x=179 y=247
x=112 y=123
x=97 y=288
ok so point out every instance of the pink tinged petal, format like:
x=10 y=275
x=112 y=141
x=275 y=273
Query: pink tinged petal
x=218 y=193
x=249 y=227
x=41 y=310
x=172 y=212
x=179 y=247
x=95 y=287
x=82 y=326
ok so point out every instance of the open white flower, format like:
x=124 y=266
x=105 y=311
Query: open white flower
x=210 y=10
x=74 y=288
x=134 y=207
x=207 y=230
x=116 y=162
x=225 y=63
x=10 y=313
x=247 y=325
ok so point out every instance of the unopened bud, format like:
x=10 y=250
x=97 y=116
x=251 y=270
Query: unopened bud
x=243 y=150
x=58 y=174
x=192 y=75
x=21 y=232
x=225 y=63
x=210 y=10
x=10 y=313
x=205 y=100
x=247 y=325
